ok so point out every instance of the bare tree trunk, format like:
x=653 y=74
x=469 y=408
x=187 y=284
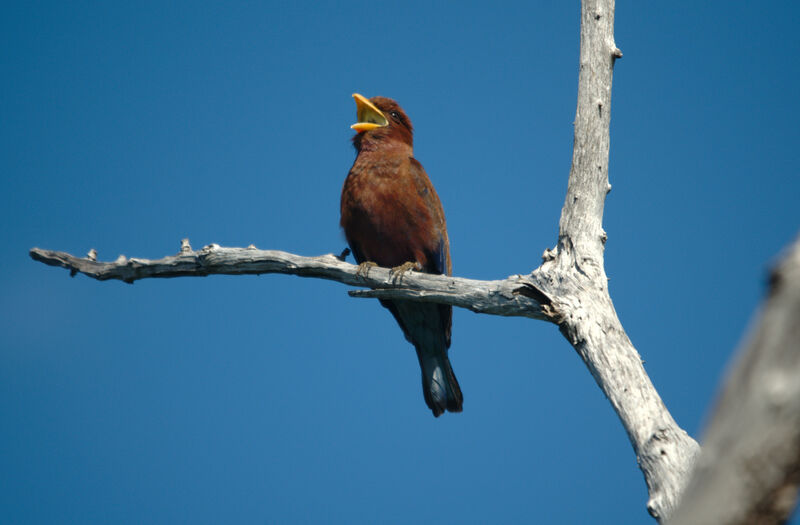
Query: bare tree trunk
x=574 y=276
x=749 y=470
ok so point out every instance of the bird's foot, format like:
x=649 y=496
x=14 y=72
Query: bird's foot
x=399 y=271
x=364 y=268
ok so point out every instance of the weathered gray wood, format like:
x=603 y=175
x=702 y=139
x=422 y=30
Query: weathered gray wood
x=749 y=470
x=664 y=451
x=514 y=296
x=573 y=275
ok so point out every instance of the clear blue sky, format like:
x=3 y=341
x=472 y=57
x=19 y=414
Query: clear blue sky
x=274 y=399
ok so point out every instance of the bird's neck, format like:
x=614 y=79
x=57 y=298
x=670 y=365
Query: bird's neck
x=388 y=140
x=384 y=148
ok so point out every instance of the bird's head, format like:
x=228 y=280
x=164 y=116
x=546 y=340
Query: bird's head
x=380 y=121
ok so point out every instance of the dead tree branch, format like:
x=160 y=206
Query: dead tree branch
x=575 y=269
x=749 y=470
x=514 y=296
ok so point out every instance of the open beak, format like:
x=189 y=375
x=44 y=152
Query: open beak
x=369 y=117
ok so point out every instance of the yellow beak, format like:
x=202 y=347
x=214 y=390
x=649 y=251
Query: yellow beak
x=369 y=117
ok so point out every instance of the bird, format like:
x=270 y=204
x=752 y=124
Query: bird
x=392 y=217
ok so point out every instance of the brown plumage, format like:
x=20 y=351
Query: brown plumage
x=391 y=215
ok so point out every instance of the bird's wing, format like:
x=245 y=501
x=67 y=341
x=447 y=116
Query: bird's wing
x=438 y=250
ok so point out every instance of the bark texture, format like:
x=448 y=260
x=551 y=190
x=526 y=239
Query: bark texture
x=573 y=275
x=514 y=296
x=749 y=470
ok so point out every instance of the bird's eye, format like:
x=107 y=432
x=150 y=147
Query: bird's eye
x=395 y=115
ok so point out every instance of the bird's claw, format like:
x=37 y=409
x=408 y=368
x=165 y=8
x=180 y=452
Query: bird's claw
x=398 y=271
x=364 y=268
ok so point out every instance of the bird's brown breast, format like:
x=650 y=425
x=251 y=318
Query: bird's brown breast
x=382 y=210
